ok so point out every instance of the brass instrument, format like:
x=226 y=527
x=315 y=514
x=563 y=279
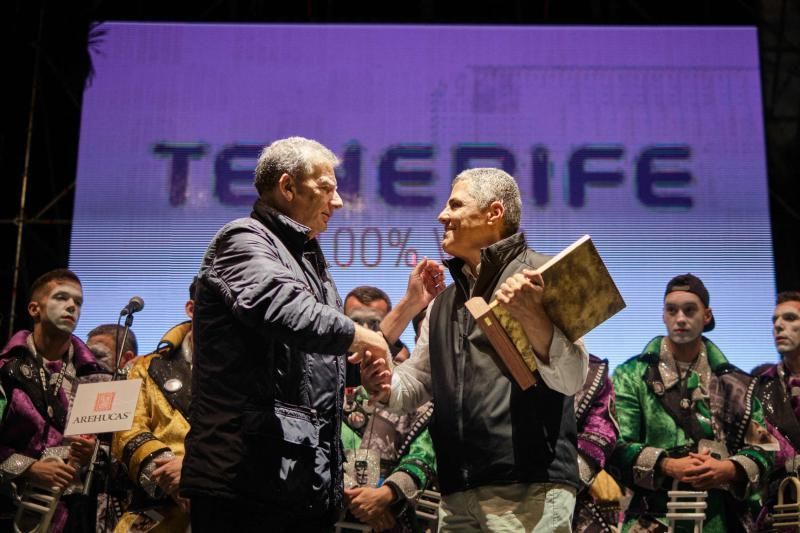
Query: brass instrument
x=786 y=513
x=428 y=505
x=686 y=505
x=37 y=505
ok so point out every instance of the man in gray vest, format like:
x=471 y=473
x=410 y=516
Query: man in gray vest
x=506 y=458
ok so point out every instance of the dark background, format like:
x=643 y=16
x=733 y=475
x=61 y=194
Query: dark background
x=48 y=65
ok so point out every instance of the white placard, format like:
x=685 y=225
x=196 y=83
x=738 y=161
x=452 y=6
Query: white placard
x=103 y=407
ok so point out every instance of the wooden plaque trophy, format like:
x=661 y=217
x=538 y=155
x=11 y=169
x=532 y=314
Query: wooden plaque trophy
x=579 y=295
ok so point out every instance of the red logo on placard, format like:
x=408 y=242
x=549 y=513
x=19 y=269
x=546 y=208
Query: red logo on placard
x=104 y=401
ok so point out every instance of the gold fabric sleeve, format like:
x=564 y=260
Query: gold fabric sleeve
x=156 y=424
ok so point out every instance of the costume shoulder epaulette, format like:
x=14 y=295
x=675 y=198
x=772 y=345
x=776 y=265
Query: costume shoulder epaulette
x=728 y=368
x=163 y=350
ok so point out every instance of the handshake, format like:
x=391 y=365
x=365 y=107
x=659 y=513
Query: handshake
x=371 y=351
x=370 y=348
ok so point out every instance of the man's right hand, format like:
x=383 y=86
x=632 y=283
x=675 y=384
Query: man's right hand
x=51 y=474
x=372 y=352
x=376 y=378
x=367 y=346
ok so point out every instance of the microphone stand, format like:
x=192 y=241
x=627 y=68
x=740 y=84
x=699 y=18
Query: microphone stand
x=116 y=376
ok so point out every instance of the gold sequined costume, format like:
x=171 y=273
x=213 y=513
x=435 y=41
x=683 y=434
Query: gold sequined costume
x=159 y=429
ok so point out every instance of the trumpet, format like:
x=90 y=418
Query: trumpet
x=37 y=504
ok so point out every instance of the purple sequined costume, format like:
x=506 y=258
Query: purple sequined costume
x=779 y=393
x=597 y=435
x=26 y=427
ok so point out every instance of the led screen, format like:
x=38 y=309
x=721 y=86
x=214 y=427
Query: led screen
x=648 y=139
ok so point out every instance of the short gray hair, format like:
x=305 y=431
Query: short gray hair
x=487 y=185
x=296 y=156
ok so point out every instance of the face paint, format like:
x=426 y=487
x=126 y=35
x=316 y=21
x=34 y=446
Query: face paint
x=685 y=316
x=102 y=346
x=786 y=327
x=62 y=306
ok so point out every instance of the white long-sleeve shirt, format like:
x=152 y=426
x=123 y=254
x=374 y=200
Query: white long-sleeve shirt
x=411 y=381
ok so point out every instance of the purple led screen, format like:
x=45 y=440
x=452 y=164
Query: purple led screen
x=648 y=139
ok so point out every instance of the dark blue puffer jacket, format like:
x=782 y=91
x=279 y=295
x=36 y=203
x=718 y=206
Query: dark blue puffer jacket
x=269 y=370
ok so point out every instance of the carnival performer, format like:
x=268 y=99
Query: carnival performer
x=779 y=392
x=153 y=449
x=688 y=418
x=597 y=508
x=389 y=449
x=39 y=372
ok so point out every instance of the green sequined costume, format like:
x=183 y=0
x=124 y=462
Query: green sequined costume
x=719 y=405
x=403 y=443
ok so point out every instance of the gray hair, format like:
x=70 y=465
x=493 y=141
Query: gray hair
x=296 y=156
x=487 y=185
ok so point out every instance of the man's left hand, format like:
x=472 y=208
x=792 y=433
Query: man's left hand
x=521 y=295
x=81 y=449
x=425 y=282
x=710 y=473
x=376 y=378
x=368 y=504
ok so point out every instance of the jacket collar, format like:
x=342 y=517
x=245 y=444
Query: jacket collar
x=716 y=359
x=777 y=373
x=82 y=356
x=293 y=234
x=776 y=370
x=493 y=259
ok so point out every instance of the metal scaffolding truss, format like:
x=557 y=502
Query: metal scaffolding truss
x=778 y=22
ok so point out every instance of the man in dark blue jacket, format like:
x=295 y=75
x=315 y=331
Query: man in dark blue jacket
x=264 y=448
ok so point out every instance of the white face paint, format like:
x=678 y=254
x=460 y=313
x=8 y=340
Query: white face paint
x=786 y=327
x=685 y=316
x=62 y=306
x=103 y=348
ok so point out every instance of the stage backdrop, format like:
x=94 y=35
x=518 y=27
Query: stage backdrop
x=649 y=139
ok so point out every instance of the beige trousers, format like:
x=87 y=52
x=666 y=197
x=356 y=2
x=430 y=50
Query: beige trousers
x=517 y=508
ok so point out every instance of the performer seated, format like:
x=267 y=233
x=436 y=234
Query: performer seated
x=395 y=450
x=687 y=415
x=153 y=449
x=779 y=393
x=598 y=504
x=116 y=493
x=102 y=341
x=39 y=373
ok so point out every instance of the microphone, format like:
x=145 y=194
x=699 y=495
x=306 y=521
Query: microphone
x=135 y=305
